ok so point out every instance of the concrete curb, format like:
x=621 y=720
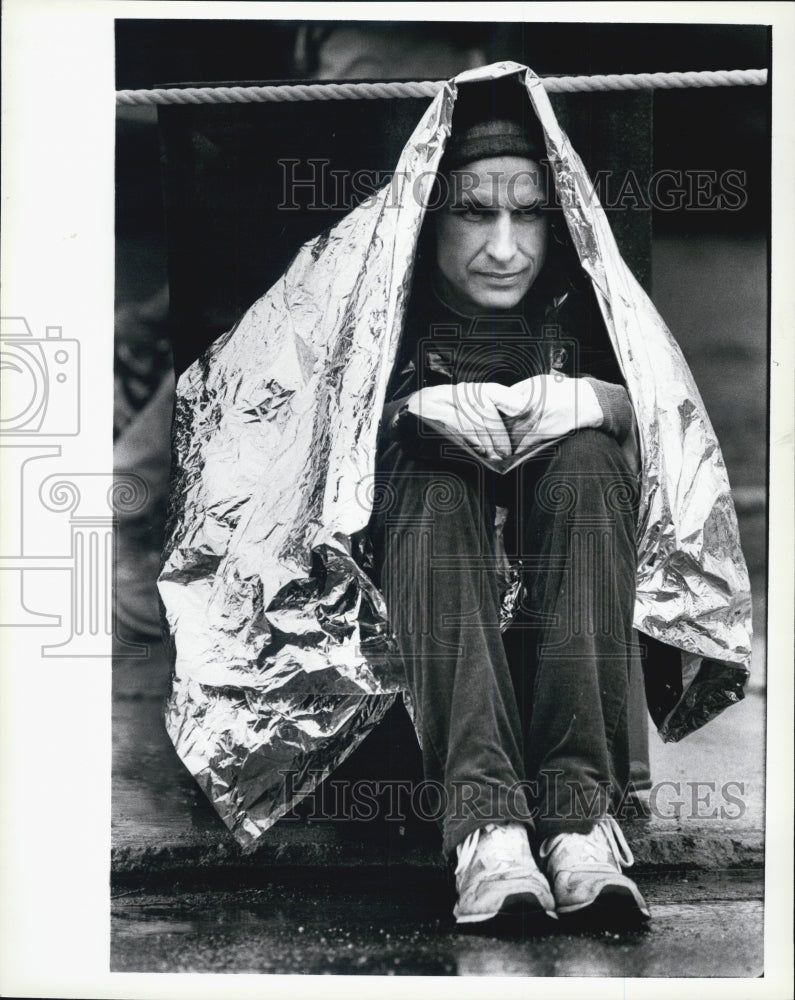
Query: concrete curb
x=656 y=850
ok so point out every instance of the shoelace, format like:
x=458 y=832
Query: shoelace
x=467 y=850
x=589 y=848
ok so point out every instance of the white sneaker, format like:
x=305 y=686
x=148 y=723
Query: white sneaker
x=497 y=873
x=585 y=869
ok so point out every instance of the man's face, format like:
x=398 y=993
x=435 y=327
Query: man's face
x=491 y=236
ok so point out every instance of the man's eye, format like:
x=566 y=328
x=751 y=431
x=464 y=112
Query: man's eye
x=530 y=213
x=472 y=213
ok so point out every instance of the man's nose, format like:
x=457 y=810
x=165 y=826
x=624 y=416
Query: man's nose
x=501 y=245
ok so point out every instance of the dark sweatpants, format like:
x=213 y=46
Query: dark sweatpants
x=531 y=724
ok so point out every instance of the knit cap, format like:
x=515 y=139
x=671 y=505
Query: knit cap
x=492 y=118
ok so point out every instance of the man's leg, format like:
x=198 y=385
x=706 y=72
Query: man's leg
x=432 y=532
x=571 y=645
x=571 y=653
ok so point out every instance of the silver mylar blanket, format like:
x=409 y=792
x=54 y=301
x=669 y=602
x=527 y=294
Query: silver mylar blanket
x=283 y=659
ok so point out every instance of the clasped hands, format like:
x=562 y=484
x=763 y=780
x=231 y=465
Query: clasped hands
x=504 y=425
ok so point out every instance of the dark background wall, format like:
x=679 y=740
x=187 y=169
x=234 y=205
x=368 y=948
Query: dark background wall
x=722 y=128
x=219 y=183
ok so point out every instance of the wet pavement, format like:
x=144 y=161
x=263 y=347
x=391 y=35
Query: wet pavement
x=398 y=922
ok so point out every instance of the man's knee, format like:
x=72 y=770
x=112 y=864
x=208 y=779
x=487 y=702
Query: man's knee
x=424 y=490
x=589 y=469
x=590 y=450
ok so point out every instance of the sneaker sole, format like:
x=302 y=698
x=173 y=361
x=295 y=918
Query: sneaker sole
x=613 y=905
x=523 y=905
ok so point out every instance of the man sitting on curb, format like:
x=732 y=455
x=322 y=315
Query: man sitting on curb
x=482 y=417
x=477 y=357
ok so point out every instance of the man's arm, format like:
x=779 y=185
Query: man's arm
x=548 y=407
x=389 y=417
x=618 y=417
x=499 y=423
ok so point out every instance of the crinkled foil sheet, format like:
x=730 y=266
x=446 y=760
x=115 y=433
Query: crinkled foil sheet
x=283 y=658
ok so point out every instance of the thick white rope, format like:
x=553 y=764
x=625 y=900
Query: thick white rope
x=429 y=88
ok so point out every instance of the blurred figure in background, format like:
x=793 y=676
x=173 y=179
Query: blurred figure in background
x=361 y=51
